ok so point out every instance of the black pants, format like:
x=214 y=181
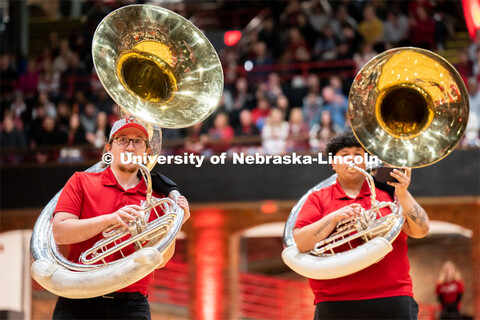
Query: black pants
x=117 y=306
x=403 y=307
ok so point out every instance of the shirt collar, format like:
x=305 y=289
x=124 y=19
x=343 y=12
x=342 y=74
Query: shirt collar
x=108 y=179
x=340 y=194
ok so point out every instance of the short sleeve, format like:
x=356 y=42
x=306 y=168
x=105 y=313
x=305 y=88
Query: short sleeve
x=310 y=212
x=71 y=198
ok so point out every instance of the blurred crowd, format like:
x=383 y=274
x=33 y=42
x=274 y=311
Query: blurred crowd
x=55 y=106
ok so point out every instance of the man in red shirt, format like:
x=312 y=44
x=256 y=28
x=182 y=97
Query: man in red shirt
x=91 y=202
x=383 y=290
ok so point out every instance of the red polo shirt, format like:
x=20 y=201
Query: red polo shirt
x=387 y=278
x=89 y=195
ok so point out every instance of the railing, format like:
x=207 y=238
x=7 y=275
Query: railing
x=261 y=297
x=269 y=298
x=211 y=16
x=323 y=69
x=85 y=153
x=428 y=311
x=170 y=285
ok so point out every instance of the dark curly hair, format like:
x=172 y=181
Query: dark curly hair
x=345 y=140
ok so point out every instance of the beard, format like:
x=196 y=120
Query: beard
x=127 y=168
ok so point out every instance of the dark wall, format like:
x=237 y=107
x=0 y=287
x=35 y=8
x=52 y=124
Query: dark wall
x=456 y=175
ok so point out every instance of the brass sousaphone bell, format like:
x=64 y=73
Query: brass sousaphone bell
x=409 y=107
x=161 y=69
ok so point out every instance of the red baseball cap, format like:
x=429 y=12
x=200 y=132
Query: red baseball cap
x=128 y=122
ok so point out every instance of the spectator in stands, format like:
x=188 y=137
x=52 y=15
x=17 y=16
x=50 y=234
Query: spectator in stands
x=195 y=140
x=474 y=52
x=38 y=114
x=96 y=14
x=305 y=28
x=273 y=87
x=247 y=50
x=474 y=95
x=415 y=4
x=395 y=29
x=28 y=81
x=49 y=135
x=246 y=127
x=312 y=108
x=288 y=17
x=261 y=57
x=60 y=63
x=371 y=28
x=103 y=102
x=53 y=43
x=449 y=291
x=114 y=114
x=76 y=133
x=89 y=118
x=221 y=135
x=297 y=46
x=81 y=45
x=422 y=29
x=74 y=78
x=321 y=133
x=298 y=132
x=99 y=137
x=472 y=132
x=275 y=133
x=336 y=82
x=19 y=111
x=336 y=103
x=49 y=80
x=226 y=101
x=230 y=69
x=270 y=35
x=283 y=105
x=10 y=136
x=261 y=92
x=313 y=84
x=63 y=115
x=325 y=47
x=464 y=65
x=8 y=75
x=46 y=54
x=350 y=44
x=341 y=19
x=365 y=55
x=300 y=87
x=318 y=15
x=261 y=112
x=44 y=100
x=243 y=98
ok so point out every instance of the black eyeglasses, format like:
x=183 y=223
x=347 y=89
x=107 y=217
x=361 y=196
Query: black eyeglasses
x=123 y=142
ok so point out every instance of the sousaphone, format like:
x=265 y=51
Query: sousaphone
x=162 y=70
x=409 y=107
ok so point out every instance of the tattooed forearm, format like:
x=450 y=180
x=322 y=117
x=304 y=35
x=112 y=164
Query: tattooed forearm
x=417 y=215
x=322 y=227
